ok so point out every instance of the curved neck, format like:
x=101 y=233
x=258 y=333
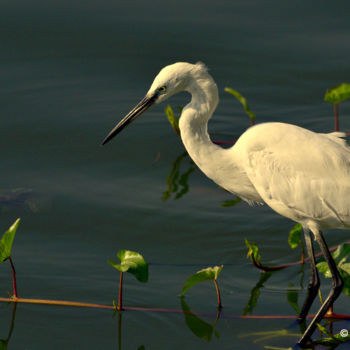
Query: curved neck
x=194 y=124
x=220 y=165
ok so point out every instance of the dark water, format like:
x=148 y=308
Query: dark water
x=69 y=71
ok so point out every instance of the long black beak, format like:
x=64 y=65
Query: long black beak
x=142 y=106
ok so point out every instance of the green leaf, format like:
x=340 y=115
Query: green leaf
x=294 y=238
x=208 y=274
x=324 y=269
x=253 y=252
x=174 y=121
x=331 y=339
x=243 y=101
x=324 y=330
x=341 y=257
x=338 y=94
x=341 y=339
x=231 y=202
x=133 y=263
x=343 y=251
x=345 y=268
x=346 y=288
x=7 y=240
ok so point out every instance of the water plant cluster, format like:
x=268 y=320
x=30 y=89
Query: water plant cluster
x=130 y=261
x=134 y=263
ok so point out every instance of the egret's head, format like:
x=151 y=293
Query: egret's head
x=169 y=81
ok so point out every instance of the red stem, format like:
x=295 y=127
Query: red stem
x=13 y=279
x=336 y=119
x=120 y=299
x=280 y=267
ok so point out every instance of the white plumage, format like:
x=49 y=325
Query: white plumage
x=300 y=174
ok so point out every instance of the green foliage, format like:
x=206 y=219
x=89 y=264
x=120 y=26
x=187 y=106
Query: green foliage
x=255 y=293
x=253 y=252
x=342 y=259
x=294 y=238
x=198 y=327
x=133 y=263
x=231 y=202
x=174 y=121
x=177 y=182
x=7 y=240
x=254 y=255
x=338 y=94
x=331 y=339
x=208 y=274
x=243 y=101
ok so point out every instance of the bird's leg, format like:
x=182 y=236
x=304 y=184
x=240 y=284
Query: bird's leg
x=337 y=286
x=314 y=282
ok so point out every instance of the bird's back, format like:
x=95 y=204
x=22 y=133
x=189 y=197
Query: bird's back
x=300 y=174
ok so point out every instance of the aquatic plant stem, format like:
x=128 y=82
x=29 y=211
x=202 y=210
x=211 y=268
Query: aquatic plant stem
x=302 y=254
x=218 y=294
x=280 y=267
x=14 y=284
x=336 y=117
x=120 y=297
x=56 y=302
x=143 y=309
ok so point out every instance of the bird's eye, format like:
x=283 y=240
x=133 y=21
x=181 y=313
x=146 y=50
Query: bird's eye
x=162 y=89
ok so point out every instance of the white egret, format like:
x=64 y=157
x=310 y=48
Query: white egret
x=300 y=174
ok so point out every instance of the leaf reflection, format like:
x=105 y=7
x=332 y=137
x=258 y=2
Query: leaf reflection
x=267 y=335
x=292 y=298
x=255 y=292
x=177 y=182
x=142 y=347
x=329 y=340
x=198 y=327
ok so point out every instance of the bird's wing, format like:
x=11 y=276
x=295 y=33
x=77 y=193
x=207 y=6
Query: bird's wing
x=298 y=173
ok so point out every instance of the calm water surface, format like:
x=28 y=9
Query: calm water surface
x=69 y=71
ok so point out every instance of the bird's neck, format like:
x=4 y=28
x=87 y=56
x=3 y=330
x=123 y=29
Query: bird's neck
x=194 y=126
x=220 y=165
